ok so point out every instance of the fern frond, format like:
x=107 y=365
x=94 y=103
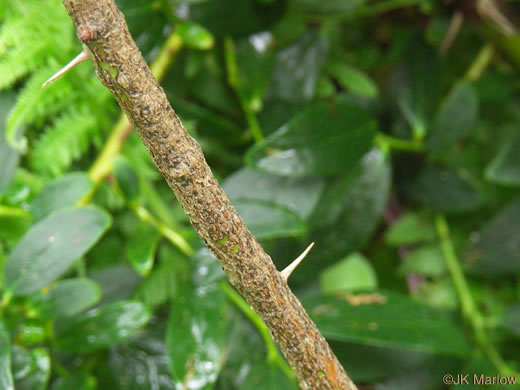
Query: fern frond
x=34 y=103
x=65 y=141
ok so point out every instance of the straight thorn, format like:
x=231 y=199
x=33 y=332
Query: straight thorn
x=79 y=59
x=291 y=267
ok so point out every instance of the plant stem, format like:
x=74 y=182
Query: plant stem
x=175 y=238
x=103 y=164
x=388 y=142
x=234 y=82
x=468 y=306
x=481 y=62
x=273 y=356
x=6 y=211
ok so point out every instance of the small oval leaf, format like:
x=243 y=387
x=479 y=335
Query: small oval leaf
x=50 y=247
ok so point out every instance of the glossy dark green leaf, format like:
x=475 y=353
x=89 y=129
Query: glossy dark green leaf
x=194 y=35
x=456 y=116
x=408 y=230
x=361 y=206
x=266 y=376
x=505 y=167
x=249 y=16
x=63 y=192
x=142 y=363
x=444 y=190
x=102 y=327
x=325 y=139
x=297 y=67
x=8 y=156
x=197 y=326
x=377 y=319
x=353 y=273
x=6 y=377
x=31 y=368
x=141 y=248
x=50 y=247
x=75 y=381
x=126 y=178
x=330 y=6
x=255 y=60
x=496 y=249
x=67 y=298
x=300 y=195
x=159 y=286
x=269 y=220
x=31 y=332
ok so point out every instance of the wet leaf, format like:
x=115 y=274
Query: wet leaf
x=31 y=368
x=102 y=327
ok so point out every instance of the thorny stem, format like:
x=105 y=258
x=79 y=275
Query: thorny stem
x=468 y=306
x=121 y=68
x=102 y=166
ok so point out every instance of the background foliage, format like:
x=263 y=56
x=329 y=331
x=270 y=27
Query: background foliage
x=384 y=131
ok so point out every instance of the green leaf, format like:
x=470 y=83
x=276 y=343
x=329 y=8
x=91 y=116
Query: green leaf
x=50 y=247
x=75 y=381
x=31 y=368
x=141 y=364
x=268 y=220
x=324 y=139
x=330 y=6
x=297 y=68
x=354 y=272
x=505 y=167
x=102 y=327
x=67 y=298
x=361 y=205
x=249 y=16
x=194 y=35
x=408 y=230
x=267 y=376
x=353 y=80
x=63 y=192
x=197 y=326
x=444 y=190
x=377 y=319
x=427 y=261
x=6 y=378
x=456 y=116
x=126 y=178
x=254 y=62
x=141 y=248
x=495 y=250
x=300 y=195
x=8 y=156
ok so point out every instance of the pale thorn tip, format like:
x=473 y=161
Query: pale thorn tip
x=291 y=267
x=78 y=60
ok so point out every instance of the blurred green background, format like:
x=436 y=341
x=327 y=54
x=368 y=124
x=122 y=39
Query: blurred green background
x=387 y=132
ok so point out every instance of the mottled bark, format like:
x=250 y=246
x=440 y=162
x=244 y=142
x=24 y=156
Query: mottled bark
x=121 y=68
